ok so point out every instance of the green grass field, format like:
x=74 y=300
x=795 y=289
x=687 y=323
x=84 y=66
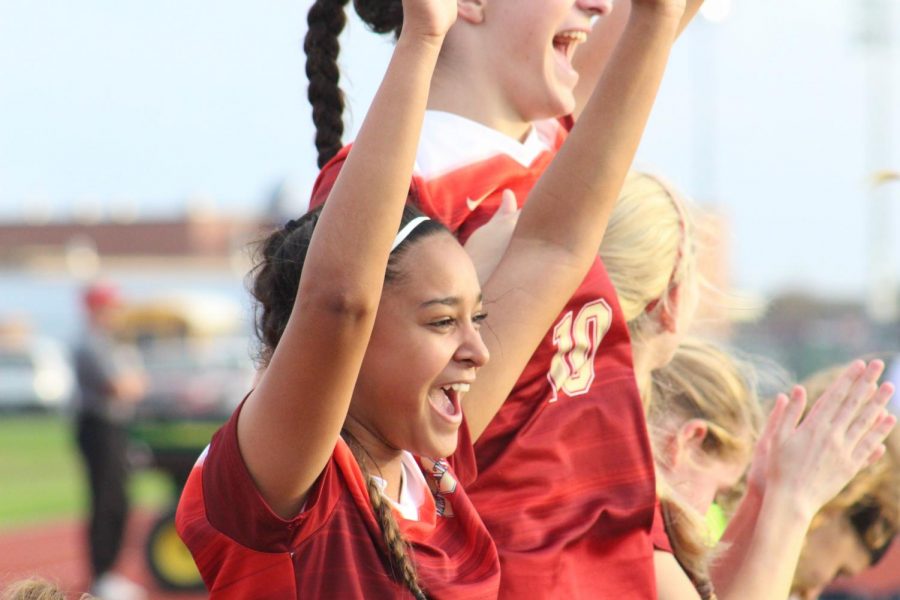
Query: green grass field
x=42 y=475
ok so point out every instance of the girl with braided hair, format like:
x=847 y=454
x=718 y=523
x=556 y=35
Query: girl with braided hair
x=328 y=481
x=565 y=472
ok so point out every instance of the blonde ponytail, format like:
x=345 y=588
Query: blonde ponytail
x=648 y=246
x=701 y=382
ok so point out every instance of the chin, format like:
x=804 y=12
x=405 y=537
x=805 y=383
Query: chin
x=438 y=447
x=560 y=103
x=554 y=101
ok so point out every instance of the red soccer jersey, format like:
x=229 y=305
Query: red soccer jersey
x=334 y=547
x=659 y=534
x=565 y=472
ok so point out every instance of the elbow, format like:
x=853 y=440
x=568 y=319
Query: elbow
x=349 y=304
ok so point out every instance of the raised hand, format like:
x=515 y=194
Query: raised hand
x=488 y=243
x=842 y=433
x=428 y=18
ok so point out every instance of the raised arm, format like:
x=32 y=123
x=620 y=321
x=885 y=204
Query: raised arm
x=592 y=57
x=807 y=465
x=290 y=423
x=560 y=229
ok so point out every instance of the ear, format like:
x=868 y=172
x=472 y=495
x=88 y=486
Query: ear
x=668 y=316
x=471 y=11
x=690 y=436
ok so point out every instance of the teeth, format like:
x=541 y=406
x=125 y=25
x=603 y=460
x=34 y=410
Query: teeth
x=576 y=37
x=457 y=387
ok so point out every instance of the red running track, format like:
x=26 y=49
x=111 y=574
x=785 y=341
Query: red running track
x=56 y=551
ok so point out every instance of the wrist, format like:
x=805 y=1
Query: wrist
x=409 y=37
x=787 y=504
x=665 y=14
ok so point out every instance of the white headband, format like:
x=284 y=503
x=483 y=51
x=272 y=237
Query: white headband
x=407 y=229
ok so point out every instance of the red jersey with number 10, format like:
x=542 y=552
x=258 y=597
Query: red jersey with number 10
x=565 y=473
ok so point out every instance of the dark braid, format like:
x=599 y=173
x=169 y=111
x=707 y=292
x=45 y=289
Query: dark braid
x=326 y=20
x=402 y=567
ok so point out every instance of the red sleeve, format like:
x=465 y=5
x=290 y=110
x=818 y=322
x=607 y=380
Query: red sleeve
x=419 y=192
x=658 y=534
x=235 y=507
x=327 y=177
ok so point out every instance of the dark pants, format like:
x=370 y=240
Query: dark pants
x=104 y=445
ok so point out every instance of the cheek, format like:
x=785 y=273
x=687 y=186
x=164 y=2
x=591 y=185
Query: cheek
x=694 y=486
x=403 y=358
x=704 y=495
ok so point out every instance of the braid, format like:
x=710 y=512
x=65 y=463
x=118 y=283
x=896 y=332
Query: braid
x=398 y=549
x=326 y=20
x=685 y=531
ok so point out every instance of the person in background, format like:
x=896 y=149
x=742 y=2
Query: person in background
x=854 y=530
x=36 y=588
x=110 y=382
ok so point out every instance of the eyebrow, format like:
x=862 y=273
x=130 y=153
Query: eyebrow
x=448 y=301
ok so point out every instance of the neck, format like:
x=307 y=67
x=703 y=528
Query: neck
x=480 y=101
x=644 y=362
x=377 y=456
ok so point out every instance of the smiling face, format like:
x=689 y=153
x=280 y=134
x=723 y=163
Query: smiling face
x=533 y=42
x=424 y=352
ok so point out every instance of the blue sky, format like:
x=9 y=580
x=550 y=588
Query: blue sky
x=148 y=104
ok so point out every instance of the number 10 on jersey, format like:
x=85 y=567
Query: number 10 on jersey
x=577 y=339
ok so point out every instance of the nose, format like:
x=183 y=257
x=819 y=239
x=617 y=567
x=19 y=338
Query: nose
x=473 y=350
x=596 y=7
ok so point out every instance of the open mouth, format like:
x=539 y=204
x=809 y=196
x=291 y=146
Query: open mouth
x=447 y=400
x=565 y=42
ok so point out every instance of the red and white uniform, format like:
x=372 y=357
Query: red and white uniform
x=565 y=472
x=333 y=548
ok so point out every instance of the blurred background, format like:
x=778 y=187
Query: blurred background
x=148 y=144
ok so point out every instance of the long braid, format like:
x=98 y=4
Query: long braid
x=402 y=567
x=326 y=20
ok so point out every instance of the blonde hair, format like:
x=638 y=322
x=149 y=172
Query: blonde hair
x=877 y=487
x=648 y=249
x=704 y=382
x=36 y=588
x=648 y=246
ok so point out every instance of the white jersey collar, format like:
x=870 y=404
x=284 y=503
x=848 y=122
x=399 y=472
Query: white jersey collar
x=450 y=141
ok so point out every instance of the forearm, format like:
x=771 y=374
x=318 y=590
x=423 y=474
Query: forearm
x=559 y=229
x=761 y=562
x=373 y=185
x=591 y=57
x=736 y=540
x=571 y=203
x=289 y=424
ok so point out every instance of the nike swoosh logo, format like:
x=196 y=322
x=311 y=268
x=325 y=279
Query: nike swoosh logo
x=473 y=204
